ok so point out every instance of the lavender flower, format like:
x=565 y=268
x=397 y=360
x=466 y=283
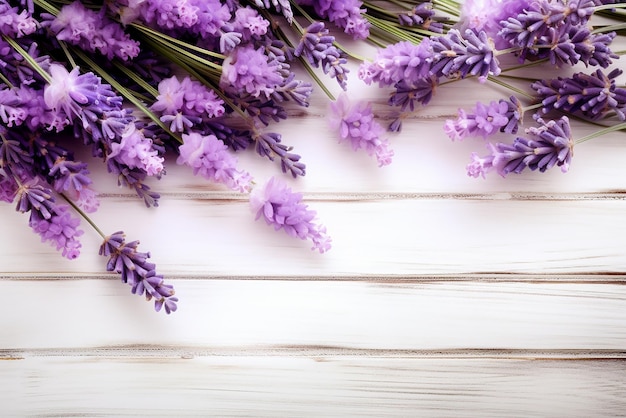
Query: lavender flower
x=247 y=69
x=15 y=23
x=595 y=96
x=249 y=24
x=135 y=151
x=316 y=45
x=51 y=221
x=92 y=32
x=406 y=93
x=72 y=94
x=135 y=269
x=485 y=120
x=283 y=209
x=268 y=144
x=209 y=157
x=8 y=187
x=421 y=15
x=346 y=14
x=185 y=103
x=551 y=145
x=486 y=15
x=355 y=122
x=469 y=54
x=400 y=62
x=280 y=5
x=72 y=179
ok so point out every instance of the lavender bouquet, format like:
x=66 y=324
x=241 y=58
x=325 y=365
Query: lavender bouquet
x=136 y=80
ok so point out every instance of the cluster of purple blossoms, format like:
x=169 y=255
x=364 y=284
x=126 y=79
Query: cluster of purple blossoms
x=551 y=145
x=316 y=45
x=415 y=70
x=91 y=31
x=283 y=209
x=135 y=269
x=558 y=31
x=422 y=16
x=345 y=14
x=594 y=96
x=51 y=221
x=486 y=120
x=355 y=123
x=14 y=22
x=210 y=157
x=248 y=69
x=186 y=103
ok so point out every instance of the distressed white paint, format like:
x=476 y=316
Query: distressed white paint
x=442 y=296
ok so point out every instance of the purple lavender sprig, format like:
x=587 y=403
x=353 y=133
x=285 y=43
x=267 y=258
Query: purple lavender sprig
x=135 y=270
x=355 y=123
x=594 y=96
x=316 y=46
x=550 y=145
x=283 y=209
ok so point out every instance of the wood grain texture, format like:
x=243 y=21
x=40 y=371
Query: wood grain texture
x=328 y=386
x=443 y=295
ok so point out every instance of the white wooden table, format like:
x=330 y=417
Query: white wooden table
x=443 y=295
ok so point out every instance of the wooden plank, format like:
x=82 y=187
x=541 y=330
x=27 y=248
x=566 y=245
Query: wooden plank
x=311 y=386
x=428 y=236
x=352 y=315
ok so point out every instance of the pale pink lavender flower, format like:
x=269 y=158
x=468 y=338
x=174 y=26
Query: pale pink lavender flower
x=91 y=31
x=355 y=123
x=136 y=151
x=594 y=96
x=283 y=209
x=135 y=270
x=210 y=157
x=551 y=145
x=248 y=70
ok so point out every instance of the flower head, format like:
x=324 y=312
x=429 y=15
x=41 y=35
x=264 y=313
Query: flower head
x=135 y=269
x=248 y=69
x=355 y=122
x=283 y=209
x=550 y=145
x=209 y=157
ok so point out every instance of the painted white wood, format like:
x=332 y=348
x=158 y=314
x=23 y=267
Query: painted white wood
x=349 y=314
x=437 y=299
x=323 y=386
x=411 y=236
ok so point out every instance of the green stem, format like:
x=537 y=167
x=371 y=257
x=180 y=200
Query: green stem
x=499 y=82
x=84 y=216
x=614 y=128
